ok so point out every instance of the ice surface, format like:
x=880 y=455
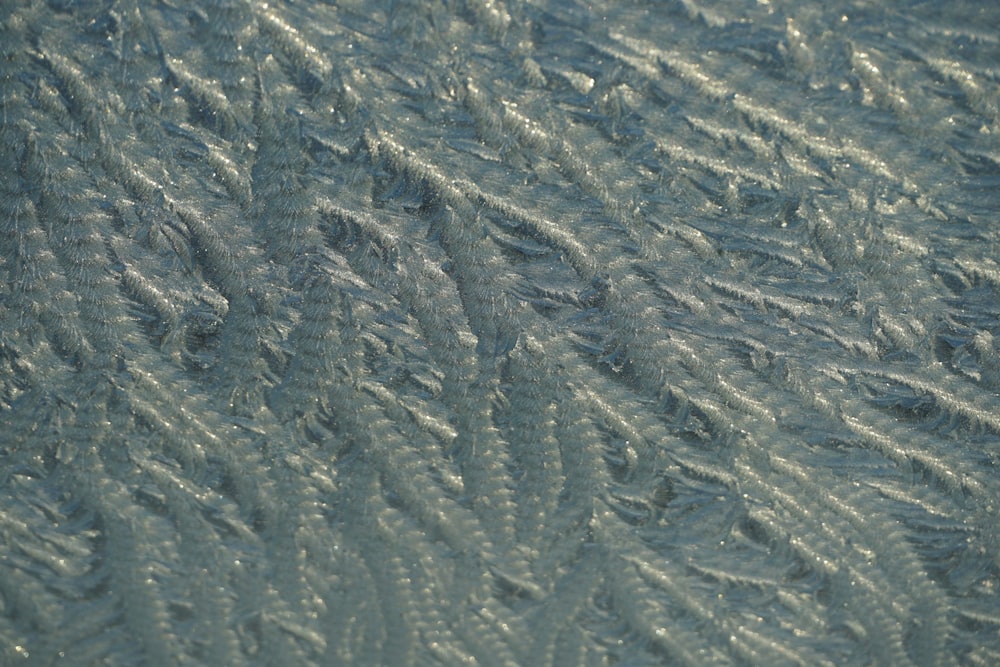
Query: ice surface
x=524 y=333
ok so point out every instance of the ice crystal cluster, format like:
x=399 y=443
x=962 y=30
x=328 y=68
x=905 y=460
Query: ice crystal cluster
x=490 y=332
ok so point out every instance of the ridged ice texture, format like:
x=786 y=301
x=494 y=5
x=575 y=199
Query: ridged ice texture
x=499 y=333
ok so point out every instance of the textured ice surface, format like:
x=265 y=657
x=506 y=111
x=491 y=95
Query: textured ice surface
x=524 y=333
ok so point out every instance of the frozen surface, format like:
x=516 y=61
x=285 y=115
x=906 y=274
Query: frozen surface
x=525 y=333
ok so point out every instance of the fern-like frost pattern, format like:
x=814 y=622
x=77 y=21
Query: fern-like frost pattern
x=500 y=333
